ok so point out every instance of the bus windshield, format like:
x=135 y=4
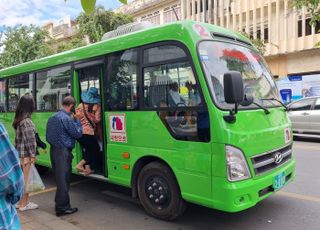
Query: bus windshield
x=217 y=58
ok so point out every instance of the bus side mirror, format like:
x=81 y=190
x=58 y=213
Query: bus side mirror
x=233 y=87
x=233 y=93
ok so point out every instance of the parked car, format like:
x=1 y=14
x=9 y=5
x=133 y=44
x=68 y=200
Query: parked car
x=305 y=116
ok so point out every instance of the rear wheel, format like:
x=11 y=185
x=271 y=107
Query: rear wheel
x=159 y=192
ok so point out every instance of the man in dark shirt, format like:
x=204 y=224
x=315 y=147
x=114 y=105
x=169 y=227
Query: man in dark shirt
x=63 y=128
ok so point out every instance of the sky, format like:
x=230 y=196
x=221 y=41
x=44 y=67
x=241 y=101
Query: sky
x=38 y=12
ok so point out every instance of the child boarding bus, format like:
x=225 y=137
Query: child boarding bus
x=190 y=114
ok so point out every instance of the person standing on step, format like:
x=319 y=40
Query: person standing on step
x=89 y=112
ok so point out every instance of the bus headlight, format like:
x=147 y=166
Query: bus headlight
x=237 y=167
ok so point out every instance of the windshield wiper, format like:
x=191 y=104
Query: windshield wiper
x=266 y=111
x=275 y=99
x=248 y=100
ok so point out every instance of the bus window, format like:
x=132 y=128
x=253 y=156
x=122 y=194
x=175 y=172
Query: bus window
x=163 y=53
x=172 y=90
x=19 y=86
x=3 y=106
x=122 y=81
x=170 y=85
x=52 y=86
x=89 y=77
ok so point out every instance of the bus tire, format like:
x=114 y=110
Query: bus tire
x=159 y=192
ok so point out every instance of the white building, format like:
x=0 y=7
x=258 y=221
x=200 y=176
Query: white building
x=290 y=40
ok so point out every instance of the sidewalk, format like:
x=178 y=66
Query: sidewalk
x=41 y=220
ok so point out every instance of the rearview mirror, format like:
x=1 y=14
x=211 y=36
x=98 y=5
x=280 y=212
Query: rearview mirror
x=233 y=87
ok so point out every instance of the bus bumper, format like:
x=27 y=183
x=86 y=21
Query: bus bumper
x=238 y=196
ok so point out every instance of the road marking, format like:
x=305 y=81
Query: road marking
x=55 y=188
x=299 y=196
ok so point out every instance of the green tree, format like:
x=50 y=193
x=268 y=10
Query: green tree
x=313 y=7
x=100 y=22
x=75 y=42
x=23 y=43
x=258 y=43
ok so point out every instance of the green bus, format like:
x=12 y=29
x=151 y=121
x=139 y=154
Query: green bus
x=190 y=114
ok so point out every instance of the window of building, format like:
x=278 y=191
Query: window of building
x=52 y=86
x=3 y=104
x=266 y=34
x=169 y=15
x=196 y=7
x=201 y=6
x=171 y=89
x=121 y=82
x=153 y=18
x=308 y=27
x=300 y=28
x=19 y=86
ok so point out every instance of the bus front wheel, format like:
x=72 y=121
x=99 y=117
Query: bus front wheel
x=159 y=192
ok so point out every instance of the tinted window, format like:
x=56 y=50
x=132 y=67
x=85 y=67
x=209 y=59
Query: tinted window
x=122 y=81
x=170 y=85
x=317 y=105
x=89 y=77
x=3 y=106
x=171 y=89
x=19 y=86
x=302 y=105
x=52 y=86
x=163 y=53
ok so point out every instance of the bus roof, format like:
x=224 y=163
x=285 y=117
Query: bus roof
x=185 y=31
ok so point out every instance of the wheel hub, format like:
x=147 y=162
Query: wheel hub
x=157 y=190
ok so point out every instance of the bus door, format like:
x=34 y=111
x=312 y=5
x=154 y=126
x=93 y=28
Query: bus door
x=88 y=75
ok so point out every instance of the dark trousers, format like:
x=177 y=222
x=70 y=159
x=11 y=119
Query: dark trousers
x=61 y=159
x=91 y=151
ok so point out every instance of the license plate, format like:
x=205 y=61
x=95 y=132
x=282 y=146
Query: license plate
x=279 y=181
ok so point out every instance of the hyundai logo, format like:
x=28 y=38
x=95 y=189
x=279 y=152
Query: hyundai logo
x=278 y=158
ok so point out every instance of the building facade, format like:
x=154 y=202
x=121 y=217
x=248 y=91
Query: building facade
x=289 y=38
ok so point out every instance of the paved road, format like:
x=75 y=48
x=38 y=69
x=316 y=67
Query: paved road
x=105 y=206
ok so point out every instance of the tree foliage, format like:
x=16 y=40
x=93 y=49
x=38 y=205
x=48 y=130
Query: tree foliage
x=100 y=22
x=313 y=7
x=258 y=43
x=23 y=43
x=75 y=42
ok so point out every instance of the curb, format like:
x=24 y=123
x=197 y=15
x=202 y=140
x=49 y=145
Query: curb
x=42 y=220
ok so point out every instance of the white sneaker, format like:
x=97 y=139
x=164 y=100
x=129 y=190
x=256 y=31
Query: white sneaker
x=17 y=206
x=29 y=206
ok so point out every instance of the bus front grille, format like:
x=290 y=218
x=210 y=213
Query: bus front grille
x=270 y=160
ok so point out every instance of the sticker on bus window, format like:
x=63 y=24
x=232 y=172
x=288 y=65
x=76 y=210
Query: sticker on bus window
x=287 y=135
x=117 y=127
